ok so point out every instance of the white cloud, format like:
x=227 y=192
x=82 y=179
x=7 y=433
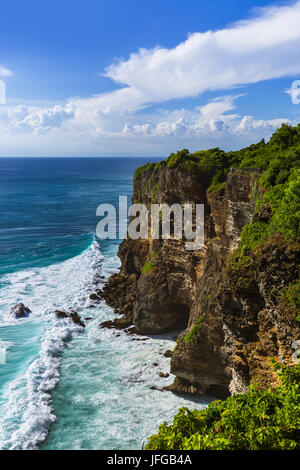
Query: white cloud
x=45 y=120
x=70 y=130
x=219 y=105
x=208 y=121
x=23 y=119
x=4 y=72
x=262 y=48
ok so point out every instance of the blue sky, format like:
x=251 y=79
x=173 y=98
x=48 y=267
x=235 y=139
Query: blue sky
x=187 y=87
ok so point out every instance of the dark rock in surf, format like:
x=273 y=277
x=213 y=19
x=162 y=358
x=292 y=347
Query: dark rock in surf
x=72 y=315
x=94 y=296
x=20 y=311
x=168 y=353
x=118 y=324
x=107 y=324
x=153 y=387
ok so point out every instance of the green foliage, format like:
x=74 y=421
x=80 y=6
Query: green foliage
x=252 y=235
x=189 y=338
x=292 y=295
x=286 y=218
x=147 y=267
x=141 y=171
x=257 y=420
x=286 y=136
x=215 y=187
x=176 y=159
x=280 y=185
x=241 y=262
x=207 y=166
x=241 y=268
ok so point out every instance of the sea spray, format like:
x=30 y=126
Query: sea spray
x=26 y=411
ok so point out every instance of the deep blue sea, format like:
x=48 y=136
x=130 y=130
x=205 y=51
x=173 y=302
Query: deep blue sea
x=62 y=387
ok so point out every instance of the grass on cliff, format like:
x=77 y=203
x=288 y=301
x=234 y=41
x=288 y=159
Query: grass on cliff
x=279 y=159
x=277 y=196
x=189 y=338
x=291 y=294
x=257 y=420
x=147 y=267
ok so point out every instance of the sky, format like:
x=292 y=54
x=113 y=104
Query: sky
x=145 y=78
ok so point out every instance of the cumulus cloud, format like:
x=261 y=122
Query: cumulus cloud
x=209 y=121
x=262 y=48
x=30 y=120
x=45 y=120
x=70 y=130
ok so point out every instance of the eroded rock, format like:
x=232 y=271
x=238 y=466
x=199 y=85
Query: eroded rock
x=20 y=311
x=72 y=315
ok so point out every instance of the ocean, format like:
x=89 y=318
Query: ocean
x=63 y=387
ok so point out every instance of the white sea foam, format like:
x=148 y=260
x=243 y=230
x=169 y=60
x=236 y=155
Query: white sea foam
x=27 y=415
x=60 y=285
x=104 y=399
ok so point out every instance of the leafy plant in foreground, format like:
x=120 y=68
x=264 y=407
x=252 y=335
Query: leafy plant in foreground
x=259 y=419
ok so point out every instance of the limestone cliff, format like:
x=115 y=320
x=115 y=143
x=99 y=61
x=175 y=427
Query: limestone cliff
x=232 y=320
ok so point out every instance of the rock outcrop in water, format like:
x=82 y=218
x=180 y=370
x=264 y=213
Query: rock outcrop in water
x=20 y=311
x=233 y=318
x=72 y=315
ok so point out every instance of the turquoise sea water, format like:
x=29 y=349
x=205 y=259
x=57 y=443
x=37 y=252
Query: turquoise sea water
x=62 y=387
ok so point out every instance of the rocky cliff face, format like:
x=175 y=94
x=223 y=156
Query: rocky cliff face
x=232 y=322
x=161 y=294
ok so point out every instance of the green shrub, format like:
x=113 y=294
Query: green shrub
x=287 y=216
x=147 y=267
x=253 y=235
x=257 y=420
x=189 y=338
x=292 y=295
x=142 y=170
x=215 y=187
